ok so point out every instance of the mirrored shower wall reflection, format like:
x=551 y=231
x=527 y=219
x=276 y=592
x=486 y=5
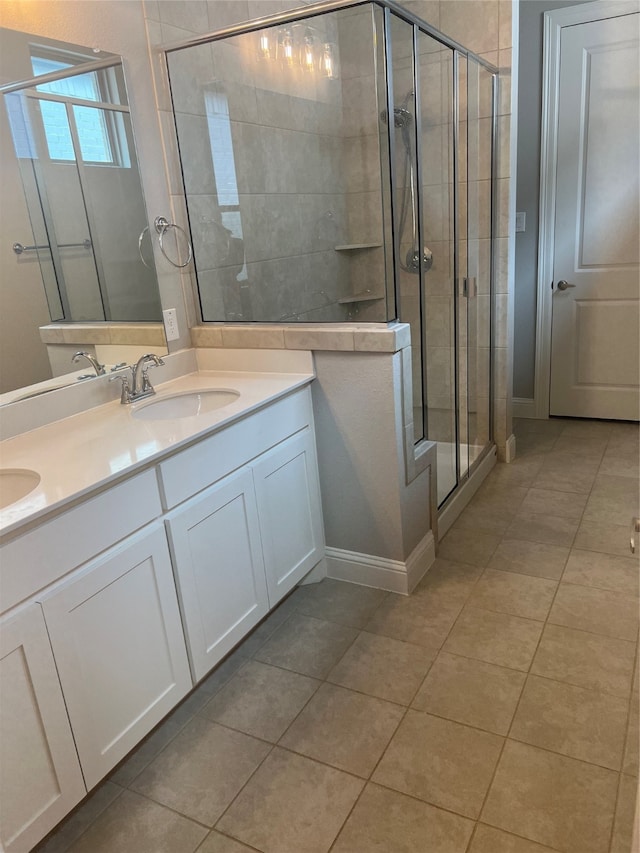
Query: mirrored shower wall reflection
x=338 y=168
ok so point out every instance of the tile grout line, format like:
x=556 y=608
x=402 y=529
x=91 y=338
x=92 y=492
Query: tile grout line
x=529 y=673
x=197 y=713
x=408 y=707
x=273 y=745
x=277 y=743
x=369 y=779
x=624 y=751
x=41 y=845
x=524 y=685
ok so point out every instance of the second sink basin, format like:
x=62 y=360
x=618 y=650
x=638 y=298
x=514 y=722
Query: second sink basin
x=186 y=404
x=15 y=484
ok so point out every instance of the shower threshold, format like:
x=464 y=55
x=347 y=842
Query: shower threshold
x=446 y=462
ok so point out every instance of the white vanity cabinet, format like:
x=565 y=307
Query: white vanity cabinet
x=39 y=770
x=288 y=496
x=99 y=598
x=215 y=541
x=118 y=643
x=249 y=537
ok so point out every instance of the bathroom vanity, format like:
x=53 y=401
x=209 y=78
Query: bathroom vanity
x=153 y=543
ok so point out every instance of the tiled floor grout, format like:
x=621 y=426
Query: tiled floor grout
x=437 y=648
x=630 y=698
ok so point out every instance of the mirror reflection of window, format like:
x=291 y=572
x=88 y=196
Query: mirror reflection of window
x=224 y=169
x=100 y=130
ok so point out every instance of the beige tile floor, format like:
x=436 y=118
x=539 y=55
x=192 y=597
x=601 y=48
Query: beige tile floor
x=493 y=711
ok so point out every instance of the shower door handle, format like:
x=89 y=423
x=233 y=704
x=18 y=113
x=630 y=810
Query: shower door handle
x=469 y=287
x=634 y=541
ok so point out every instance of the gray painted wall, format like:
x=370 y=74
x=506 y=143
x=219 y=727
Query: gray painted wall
x=528 y=189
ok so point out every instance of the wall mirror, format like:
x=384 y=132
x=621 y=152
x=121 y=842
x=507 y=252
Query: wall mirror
x=75 y=247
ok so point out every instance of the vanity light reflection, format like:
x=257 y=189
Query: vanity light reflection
x=296 y=46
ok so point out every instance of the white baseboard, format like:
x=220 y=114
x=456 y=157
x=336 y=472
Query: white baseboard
x=523 y=407
x=381 y=572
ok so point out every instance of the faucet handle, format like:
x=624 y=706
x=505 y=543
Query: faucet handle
x=149 y=360
x=125 y=394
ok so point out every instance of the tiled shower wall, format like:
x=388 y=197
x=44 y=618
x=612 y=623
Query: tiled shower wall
x=484 y=26
x=307 y=173
x=360 y=67
x=284 y=179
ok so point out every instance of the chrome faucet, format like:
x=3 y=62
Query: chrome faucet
x=140 y=385
x=99 y=368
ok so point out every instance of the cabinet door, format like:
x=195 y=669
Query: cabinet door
x=39 y=770
x=215 y=539
x=288 y=494
x=118 y=643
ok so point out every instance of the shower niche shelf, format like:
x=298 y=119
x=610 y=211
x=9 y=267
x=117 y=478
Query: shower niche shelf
x=360 y=297
x=354 y=247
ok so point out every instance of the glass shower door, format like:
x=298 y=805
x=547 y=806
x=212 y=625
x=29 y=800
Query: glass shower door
x=436 y=102
x=477 y=286
x=471 y=292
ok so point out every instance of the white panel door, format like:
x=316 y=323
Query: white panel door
x=595 y=354
x=290 y=512
x=215 y=540
x=119 y=646
x=39 y=770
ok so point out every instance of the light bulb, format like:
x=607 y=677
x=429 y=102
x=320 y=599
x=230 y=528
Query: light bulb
x=329 y=61
x=286 y=47
x=307 y=52
x=264 y=45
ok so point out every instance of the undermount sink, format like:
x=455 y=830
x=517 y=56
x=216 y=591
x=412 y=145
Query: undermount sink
x=186 y=404
x=15 y=484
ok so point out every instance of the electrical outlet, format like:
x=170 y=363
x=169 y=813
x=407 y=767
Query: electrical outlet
x=521 y=221
x=171 y=324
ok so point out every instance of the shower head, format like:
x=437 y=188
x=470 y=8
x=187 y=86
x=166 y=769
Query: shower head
x=401 y=117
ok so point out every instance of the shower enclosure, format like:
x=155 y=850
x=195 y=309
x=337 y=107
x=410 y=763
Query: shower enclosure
x=338 y=163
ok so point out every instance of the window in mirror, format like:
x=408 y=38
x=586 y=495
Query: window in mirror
x=100 y=132
x=226 y=181
x=75 y=215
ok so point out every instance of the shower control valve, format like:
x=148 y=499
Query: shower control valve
x=413 y=259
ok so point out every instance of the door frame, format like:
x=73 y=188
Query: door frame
x=554 y=21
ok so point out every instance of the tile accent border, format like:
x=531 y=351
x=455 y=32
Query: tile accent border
x=342 y=337
x=143 y=334
x=382 y=572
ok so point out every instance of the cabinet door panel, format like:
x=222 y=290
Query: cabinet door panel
x=216 y=548
x=288 y=494
x=118 y=642
x=39 y=770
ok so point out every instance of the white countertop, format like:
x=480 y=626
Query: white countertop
x=85 y=452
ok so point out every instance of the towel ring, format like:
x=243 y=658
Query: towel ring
x=162 y=225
